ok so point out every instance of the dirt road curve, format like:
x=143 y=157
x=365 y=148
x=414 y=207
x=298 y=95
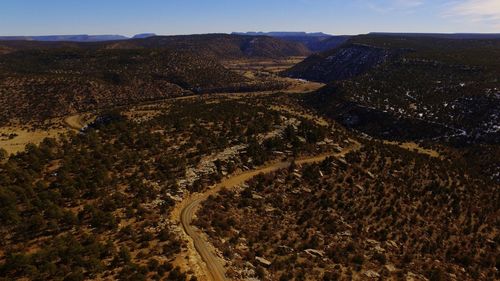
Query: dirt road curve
x=74 y=122
x=205 y=250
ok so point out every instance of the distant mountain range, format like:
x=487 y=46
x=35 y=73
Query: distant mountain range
x=283 y=34
x=315 y=42
x=320 y=42
x=74 y=38
x=221 y=46
x=444 y=35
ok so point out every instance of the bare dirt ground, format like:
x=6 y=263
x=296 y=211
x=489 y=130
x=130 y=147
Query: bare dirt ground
x=415 y=147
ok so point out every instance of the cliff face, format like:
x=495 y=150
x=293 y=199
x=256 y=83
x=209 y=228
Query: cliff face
x=342 y=63
x=410 y=88
x=337 y=102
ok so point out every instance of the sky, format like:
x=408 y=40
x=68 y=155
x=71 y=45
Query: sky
x=167 y=17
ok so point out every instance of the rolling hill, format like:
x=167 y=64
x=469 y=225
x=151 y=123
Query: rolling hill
x=39 y=84
x=315 y=42
x=221 y=46
x=40 y=80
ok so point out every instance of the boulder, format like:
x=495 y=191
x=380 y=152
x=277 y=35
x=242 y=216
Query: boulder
x=263 y=261
x=315 y=253
x=390 y=267
x=371 y=274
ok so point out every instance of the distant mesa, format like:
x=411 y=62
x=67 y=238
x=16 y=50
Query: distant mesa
x=67 y=38
x=315 y=42
x=75 y=38
x=443 y=35
x=284 y=34
x=144 y=35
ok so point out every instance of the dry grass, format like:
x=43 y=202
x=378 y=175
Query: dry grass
x=269 y=69
x=412 y=146
x=302 y=86
x=25 y=136
x=262 y=65
x=14 y=137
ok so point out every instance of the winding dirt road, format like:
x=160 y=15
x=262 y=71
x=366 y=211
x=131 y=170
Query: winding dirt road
x=214 y=265
x=75 y=122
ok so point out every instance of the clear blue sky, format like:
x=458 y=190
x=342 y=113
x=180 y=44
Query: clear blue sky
x=127 y=17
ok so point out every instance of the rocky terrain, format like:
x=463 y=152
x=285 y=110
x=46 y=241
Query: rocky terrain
x=410 y=87
x=382 y=213
x=346 y=62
